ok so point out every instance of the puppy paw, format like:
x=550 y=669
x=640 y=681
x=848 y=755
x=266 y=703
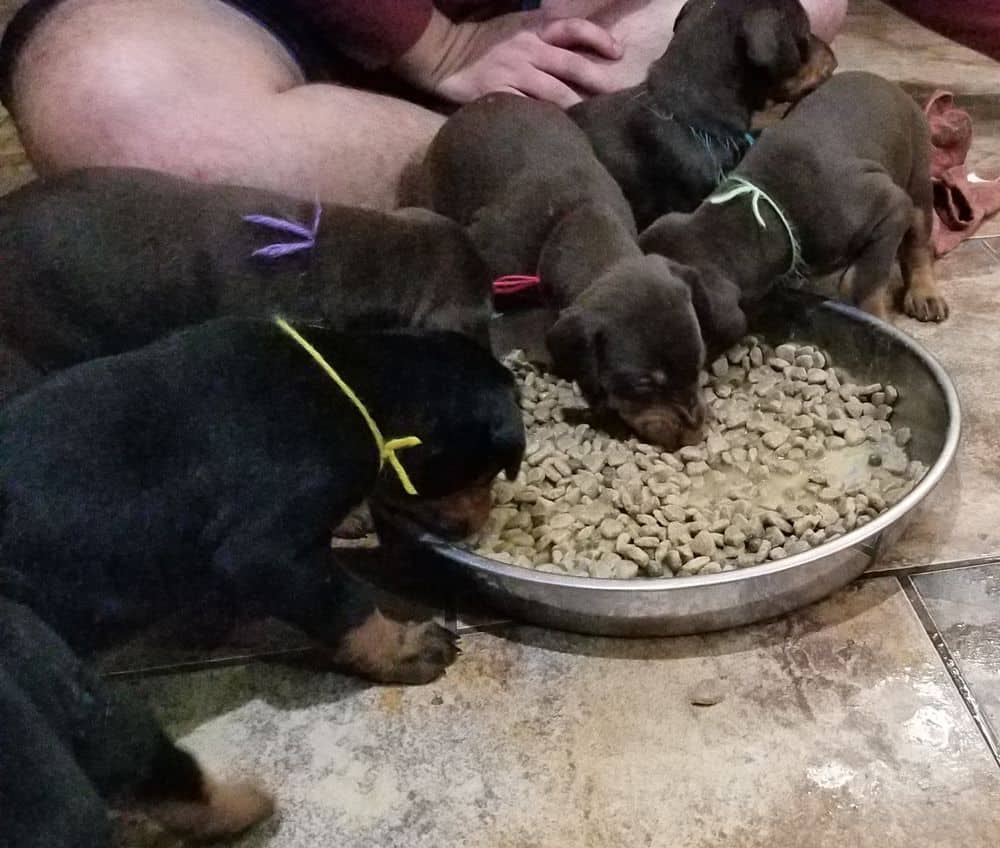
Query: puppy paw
x=389 y=651
x=925 y=307
x=226 y=810
x=357 y=524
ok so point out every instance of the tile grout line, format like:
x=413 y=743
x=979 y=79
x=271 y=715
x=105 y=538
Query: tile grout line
x=951 y=665
x=207 y=664
x=930 y=567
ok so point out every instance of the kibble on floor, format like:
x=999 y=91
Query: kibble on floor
x=795 y=454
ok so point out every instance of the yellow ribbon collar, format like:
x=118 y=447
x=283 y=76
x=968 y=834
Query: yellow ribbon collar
x=386 y=448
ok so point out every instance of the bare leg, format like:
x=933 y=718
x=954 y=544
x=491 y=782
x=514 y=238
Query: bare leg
x=195 y=88
x=921 y=298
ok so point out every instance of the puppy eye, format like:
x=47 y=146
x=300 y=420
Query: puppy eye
x=640 y=385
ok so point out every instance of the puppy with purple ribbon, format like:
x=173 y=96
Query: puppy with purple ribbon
x=104 y=260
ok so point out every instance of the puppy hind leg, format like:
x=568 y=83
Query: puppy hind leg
x=921 y=297
x=46 y=799
x=868 y=275
x=113 y=738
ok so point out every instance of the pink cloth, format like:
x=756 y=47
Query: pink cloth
x=960 y=206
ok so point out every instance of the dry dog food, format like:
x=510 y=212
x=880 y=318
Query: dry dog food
x=795 y=454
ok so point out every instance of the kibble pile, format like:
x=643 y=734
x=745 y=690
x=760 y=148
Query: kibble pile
x=795 y=454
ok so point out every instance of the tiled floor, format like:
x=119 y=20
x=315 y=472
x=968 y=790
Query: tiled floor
x=869 y=719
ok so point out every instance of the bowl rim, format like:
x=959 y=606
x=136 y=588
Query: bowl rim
x=854 y=538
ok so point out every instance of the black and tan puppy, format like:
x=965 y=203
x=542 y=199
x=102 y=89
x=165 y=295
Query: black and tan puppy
x=524 y=180
x=72 y=746
x=213 y=462
x=669 y=141
x=848 y=170
x=100 y=261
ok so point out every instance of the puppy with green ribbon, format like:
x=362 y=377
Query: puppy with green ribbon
x=841 y=185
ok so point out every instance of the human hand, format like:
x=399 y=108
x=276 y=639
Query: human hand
x=523 y=53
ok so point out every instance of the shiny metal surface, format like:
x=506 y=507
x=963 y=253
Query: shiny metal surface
x=873 y=352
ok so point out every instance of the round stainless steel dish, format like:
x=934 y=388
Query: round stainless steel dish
x=873 y=352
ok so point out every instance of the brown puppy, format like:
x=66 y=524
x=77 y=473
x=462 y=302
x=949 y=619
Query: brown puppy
x=668 y=141
x=100 y=261
x=848 y=170
x=524 y=180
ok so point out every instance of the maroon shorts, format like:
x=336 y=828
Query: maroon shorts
x=974 y=23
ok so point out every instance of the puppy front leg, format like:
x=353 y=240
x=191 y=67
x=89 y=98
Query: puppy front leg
x=868 y=275
x=314 y=593
x=921 y=298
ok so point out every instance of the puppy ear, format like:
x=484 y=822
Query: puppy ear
x=770 y=43
x=683 y=10
x=508 y=441
x=660 y=235
x=575 y=342
x=716 y=302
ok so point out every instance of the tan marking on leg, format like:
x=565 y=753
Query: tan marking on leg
x=228 y=809
x=875 y=304
x=395 y=652
x=921 y=297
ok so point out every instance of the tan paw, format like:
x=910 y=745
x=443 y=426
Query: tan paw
x=925 y=307
x=228 y=809
x=395 y=652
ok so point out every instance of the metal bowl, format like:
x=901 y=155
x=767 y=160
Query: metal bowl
x=872 y=351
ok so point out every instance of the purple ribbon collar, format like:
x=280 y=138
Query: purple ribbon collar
x=306 y=234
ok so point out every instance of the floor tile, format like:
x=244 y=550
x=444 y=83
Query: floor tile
x=879 y=39
x=839 y=722
x=14 y=168
x=961 y=519
x=965 y=606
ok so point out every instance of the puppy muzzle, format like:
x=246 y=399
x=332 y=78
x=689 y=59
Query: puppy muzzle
x=454 y=516
x=668 y=424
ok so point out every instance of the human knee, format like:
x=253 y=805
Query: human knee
x=86 y=105
x=826 y=16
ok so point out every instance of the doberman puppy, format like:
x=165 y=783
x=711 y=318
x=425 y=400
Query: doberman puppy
x=848 y=172
x=524 y=180
x=99 y=261
x=72 y=745
x=210 y=465
x=669 y=141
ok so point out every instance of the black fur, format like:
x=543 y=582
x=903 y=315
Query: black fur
x=668 y=141
x=210 y=464
x=72 y=744
x=216 y=461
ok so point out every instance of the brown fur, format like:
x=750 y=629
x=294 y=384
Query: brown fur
x=393 y=652
x=226 y=810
